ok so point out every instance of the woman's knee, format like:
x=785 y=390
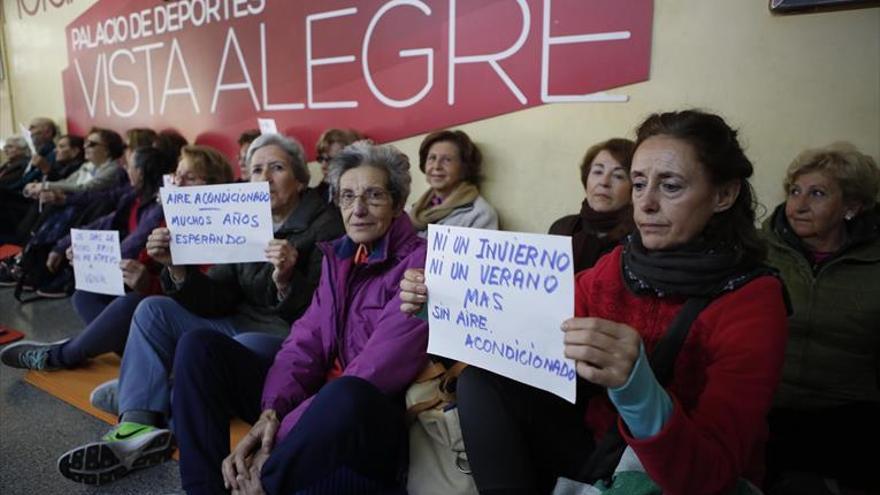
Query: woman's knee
x=197 y=348
x=154 y=309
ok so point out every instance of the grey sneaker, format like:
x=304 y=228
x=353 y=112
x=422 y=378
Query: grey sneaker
x=106 y=397
x=127 y=447
x=30 y=355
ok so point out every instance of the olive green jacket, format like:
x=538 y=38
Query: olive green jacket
x=833 y=350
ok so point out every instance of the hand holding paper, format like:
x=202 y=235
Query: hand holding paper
x=96 y=255
x=605 y=351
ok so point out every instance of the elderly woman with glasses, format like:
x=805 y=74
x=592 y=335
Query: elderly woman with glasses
x=825 y=241
x=451 y=163
x=230 y=299
x=331 y=413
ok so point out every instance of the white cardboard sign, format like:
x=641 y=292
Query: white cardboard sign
x=497 y=301
x=96 y=257
x=223 y=223
x=267 y=126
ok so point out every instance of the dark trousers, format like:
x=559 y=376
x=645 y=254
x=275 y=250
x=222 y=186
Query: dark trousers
x=519 y=439
x=830 y=442
x=351 y=439
x=107 y=320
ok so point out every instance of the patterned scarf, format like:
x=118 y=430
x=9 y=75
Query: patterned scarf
x=424 y=212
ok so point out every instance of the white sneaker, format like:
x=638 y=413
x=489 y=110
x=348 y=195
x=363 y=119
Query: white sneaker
x=106 y=397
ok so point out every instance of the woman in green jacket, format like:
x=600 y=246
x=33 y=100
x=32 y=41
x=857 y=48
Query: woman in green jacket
x=825 y=241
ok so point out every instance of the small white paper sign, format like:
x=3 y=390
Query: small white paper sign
x=26 y=134
x=224 y=223
x=168 y=180
x=267 y=126
x=96 y=256
x=497 y=300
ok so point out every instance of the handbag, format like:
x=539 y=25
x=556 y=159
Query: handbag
x=437 y=459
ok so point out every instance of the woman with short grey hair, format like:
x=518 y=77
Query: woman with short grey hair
x=18 y=155
x=290 y=146
x=387 y=158
x=312 y=433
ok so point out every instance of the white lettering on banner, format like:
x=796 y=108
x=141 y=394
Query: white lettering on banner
x=417 y=52
x=124 y=82
x=96 y=256
x=497 y=300
x=123 y=78
x=315 y=62
x=492 y=58
x=224 y=223
x=175 y=49
x=547 y=41
x=247 y=84
x=266 y=105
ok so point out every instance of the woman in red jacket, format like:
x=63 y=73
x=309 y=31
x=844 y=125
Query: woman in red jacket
x=704 y=430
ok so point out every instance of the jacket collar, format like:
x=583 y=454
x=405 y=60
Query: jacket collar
x=310 y=206
x=400 y=232
x=862 y=232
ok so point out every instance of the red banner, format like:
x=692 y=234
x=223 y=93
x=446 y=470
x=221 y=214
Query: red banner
x=390 y=69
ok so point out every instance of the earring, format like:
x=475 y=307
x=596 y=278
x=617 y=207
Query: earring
x=848 y=216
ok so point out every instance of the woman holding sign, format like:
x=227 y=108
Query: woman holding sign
x=330 y=417
x=606 y=213
x=451 y=163
x=692 y=416
x=107 y=318
x=229 y=299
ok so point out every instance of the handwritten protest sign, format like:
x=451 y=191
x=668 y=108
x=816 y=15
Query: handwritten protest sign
x=96 y=258
x=224 y=223
x=497 y=300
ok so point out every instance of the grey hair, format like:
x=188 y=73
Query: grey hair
x=290 y=146
x=384 y=157
x=19 y=142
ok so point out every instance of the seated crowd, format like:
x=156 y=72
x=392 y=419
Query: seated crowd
x=712 y=356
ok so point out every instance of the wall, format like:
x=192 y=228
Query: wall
x=788 y=82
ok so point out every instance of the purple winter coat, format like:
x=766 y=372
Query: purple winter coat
x=354 y=317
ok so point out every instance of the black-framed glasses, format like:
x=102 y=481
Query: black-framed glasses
x=323 y=158
x=374 y=196
x=92 y=144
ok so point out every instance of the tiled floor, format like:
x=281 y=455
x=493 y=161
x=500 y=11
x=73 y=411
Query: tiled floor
x=35 y=428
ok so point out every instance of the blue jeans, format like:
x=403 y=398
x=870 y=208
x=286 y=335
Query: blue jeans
x=158 y=323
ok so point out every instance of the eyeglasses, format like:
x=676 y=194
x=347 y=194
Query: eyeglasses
x=92 y=144
x=373 y=196
x=322 y=158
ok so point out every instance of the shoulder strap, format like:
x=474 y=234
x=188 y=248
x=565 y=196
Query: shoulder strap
x=609 y=449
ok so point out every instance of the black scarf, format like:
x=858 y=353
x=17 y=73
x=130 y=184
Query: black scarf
x=693 y=270
x=603 y=222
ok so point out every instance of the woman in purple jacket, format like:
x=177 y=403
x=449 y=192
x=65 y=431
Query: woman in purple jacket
x=311 y=431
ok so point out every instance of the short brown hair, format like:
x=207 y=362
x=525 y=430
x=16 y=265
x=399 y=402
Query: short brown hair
x=855 y=172
x=139 y=137
x=468 y=152
x=619 y=148
x=248 y=136
x=209 y=163
x=341 y=136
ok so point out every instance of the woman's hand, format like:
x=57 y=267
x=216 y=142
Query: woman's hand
x=134 y=275
x=158 y=247
x=413 y=291
x=248 y=457
x=54 y=261
x=283 y=257
x=605 y=351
